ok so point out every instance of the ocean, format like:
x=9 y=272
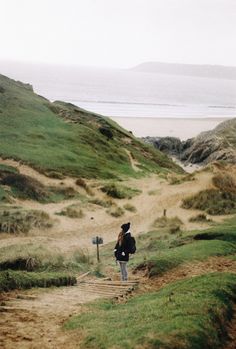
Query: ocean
x=124 y=93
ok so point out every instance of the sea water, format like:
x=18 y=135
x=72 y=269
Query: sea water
x=128 y=93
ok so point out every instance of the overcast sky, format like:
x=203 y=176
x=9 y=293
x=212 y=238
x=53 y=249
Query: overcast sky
x=118 y=33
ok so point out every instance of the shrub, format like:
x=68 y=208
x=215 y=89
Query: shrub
x=106 y=132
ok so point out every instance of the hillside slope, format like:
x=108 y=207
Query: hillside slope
x=199 y=70
x=218 y=144
x=60 y=137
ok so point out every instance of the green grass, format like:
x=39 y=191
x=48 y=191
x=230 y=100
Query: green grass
x=11 y=280
x=7 y=168
x=38 y=133
x=159 y=251
x=196 y=251
x=189 y=314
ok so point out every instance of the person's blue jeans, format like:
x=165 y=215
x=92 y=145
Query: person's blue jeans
x=123 y=270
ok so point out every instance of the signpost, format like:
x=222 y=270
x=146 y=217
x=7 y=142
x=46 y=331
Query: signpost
x=97 y=241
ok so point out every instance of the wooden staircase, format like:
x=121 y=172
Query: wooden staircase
x=108 y=288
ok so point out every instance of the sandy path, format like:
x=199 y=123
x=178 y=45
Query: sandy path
x=68 y=234
x=38 y=323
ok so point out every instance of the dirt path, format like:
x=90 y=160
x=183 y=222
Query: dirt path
x=35 y=318
x=157 y=195
x=36 y=321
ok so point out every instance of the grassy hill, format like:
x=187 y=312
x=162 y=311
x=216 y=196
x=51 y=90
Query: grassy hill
x=60 y=137
x=188 y=303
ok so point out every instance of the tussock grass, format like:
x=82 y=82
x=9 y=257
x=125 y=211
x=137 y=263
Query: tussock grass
x=118 y=191
x=225 y=182
x=170 y=225
x=116 y=212
x=188 y=314
x=178 y=179
x=212 y=201
x=72 y=211
x=103 y=203
x=218 y=200
x=33 y=257
x=11 y=280
x=129 y=207
x=22 y=221
x=27 y=188
x=82 y=183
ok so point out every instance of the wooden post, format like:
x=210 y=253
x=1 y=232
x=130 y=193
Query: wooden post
x=97 y=241
x=164 y=212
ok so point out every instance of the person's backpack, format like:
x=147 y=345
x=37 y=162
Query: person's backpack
x=132 y=245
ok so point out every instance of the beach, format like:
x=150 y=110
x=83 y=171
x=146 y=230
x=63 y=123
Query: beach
x=182 y=128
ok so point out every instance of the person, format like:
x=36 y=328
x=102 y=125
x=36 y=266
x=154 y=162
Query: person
x=122 y=250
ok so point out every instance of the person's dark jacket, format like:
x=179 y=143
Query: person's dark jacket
x=122 y=251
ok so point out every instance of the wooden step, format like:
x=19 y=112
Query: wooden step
x=114 y=283
x=99 y=285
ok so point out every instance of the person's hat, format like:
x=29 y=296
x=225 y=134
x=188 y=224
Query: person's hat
x=125 y=227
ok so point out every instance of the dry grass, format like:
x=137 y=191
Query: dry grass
x=34 y=257
x=170 y=225
x=116 y=212
x=213 y=201
x=103 y=203
x=81 y=183
x=22 y=221
x=72 y=211
x=178 y=179
x=130 y=208
x=225 y=182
